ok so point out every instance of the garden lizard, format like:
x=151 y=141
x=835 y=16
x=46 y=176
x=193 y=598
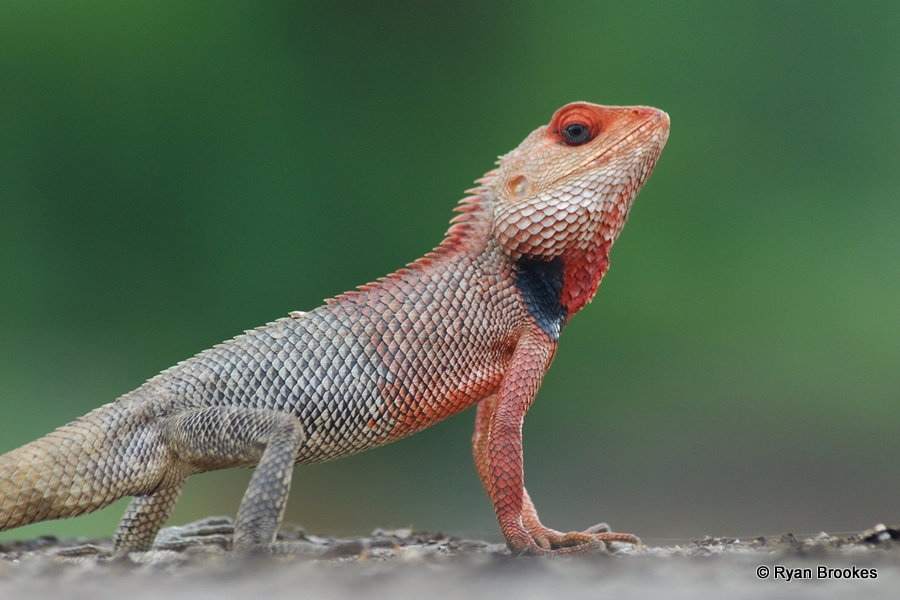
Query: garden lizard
x=475 y=322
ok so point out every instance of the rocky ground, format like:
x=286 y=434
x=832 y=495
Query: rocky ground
x=400 y=564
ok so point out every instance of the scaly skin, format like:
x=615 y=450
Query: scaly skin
x=476 y=321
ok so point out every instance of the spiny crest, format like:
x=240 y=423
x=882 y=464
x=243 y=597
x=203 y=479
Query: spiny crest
x=471 y=211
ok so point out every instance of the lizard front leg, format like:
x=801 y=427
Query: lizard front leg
x=483 y=415
x=497 y=449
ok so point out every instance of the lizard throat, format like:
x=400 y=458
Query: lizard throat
x=581 y=276
x=554 y=290
x=541 y=283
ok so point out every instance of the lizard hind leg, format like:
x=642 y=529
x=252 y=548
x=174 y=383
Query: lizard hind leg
x=218 y=437
x=144 y=518
x=262 y=506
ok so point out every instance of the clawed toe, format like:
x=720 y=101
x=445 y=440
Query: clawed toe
x=598 y=528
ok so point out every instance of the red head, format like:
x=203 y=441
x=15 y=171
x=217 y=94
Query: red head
x=566 y=190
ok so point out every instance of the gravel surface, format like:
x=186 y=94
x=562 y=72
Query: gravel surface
x=399 y=564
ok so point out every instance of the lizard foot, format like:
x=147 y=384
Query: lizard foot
x=597 y=538
x=215 y=531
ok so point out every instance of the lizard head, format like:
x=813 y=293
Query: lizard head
x=564 y=194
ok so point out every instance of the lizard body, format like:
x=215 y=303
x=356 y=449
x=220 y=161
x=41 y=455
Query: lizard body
x=476 y=321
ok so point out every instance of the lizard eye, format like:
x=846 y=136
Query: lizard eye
x=576 y=124
x=576 y=134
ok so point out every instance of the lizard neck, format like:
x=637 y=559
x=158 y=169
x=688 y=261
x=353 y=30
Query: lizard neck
x=578 y=270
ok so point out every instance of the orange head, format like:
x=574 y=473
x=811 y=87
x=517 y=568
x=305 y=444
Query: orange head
x=565 y=192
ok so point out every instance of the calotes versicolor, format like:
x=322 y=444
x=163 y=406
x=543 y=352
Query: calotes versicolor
x=473 y=323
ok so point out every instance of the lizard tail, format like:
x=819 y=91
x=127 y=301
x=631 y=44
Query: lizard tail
x=80 y=467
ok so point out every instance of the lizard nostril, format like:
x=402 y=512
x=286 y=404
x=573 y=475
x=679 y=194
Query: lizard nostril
x=519 y=186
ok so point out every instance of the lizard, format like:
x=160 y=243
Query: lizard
x=474 y=322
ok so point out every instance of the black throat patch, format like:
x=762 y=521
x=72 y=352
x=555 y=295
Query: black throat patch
x=541 y=282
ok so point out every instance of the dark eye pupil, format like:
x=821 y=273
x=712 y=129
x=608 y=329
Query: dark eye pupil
x=576 y=134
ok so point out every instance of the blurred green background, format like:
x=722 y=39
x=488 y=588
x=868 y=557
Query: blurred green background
x=172 y=173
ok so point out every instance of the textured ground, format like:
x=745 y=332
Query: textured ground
x=404 y=564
